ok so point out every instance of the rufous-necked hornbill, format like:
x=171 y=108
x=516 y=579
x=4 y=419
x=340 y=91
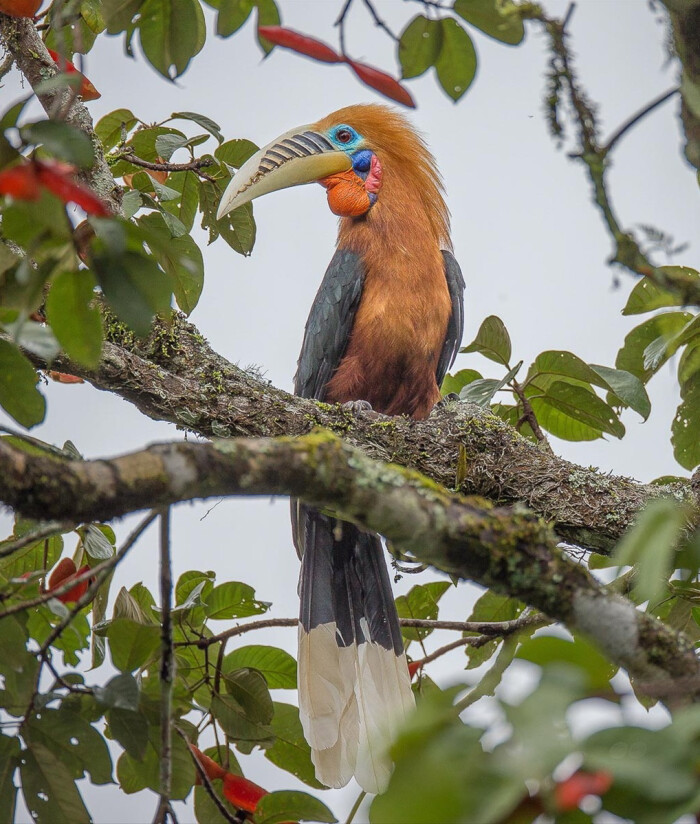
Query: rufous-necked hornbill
x=384 y=328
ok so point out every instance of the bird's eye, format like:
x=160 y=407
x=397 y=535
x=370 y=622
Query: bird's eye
x=343 y=135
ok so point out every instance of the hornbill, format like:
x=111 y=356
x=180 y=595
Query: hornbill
x=384 y=328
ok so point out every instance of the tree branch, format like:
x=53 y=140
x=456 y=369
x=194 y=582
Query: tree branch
x=509 y=549
x=174 y=375
x=627 y=251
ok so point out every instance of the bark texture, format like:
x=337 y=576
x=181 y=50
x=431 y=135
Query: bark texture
x=509 y=549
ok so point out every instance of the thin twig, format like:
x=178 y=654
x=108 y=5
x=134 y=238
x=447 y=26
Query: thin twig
x=378 y=21
x=529 y=412
x=206 y=783
x=340 y=23
x=193 y=165
x=490 y=628
x=355 y=807
x=628 y=124
x=45 y=530
x=166 y=664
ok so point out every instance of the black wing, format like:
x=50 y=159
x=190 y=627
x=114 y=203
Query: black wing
x=455 y=327
x=329 y=325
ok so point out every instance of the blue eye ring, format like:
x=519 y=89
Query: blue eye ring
x=345 y=135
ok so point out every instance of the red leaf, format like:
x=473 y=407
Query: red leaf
x=87 y=90
x=211 y=768
x=20 y=182
x=64 y=377
x=413 y=667
x=384 y=83
x=242 y=793
x=58 y=178
x=63 y=570
x=239 y=791
x=20 y=8
x=569 y=794
x=62 y=574
x=301 y=43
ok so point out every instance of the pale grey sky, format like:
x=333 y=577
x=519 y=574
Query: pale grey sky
x=531 y=246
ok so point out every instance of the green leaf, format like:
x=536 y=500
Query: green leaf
x=109 y=128
x=181 y=259
x=172 y=33
x=184 y=207
x=499 y=20
x=494 y=607
x=19 y=396
x=76 y=323
x=98 y=541
x=9 y=761
x=652 y=763
x=492 y=341
x=580 y=653
x=419 y=46
x=290 y=751
x=191 y=580
x=249 y=688
x=64 y=141
x=31 y=558
x=456 y=63
x=455 y=383
x=649 y=545
x=49 y=790
x=205 y=122
x=236 y=724
x=130 y=729
x=121 y=692
x=578 y=404
x=235 y=152
x=566 y=364
x=168 y=144
x=482 y=391
x=232 y=15
x=74 y=741
x=291 y=805
x=119 y=14
x=278 y=666
x=136 y=775
x=134 y=287
x=237 y=228
x=631 y=355
x=647 y=295
x=233 y=600
x=685 y=427
x=132 y=644
x=268 y=15
x=420 y=602
x=627 y=388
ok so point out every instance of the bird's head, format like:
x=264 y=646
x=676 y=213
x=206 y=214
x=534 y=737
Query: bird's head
x=353 y=153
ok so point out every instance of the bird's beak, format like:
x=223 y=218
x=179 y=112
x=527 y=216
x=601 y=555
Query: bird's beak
x=299 y=156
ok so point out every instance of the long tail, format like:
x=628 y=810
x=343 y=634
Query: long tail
x=354 y=686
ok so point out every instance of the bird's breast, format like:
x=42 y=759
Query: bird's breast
x=397 y=336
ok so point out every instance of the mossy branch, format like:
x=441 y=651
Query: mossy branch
x=509 y=549
x=174 y=375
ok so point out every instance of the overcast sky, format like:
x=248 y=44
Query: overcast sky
x=532 y=248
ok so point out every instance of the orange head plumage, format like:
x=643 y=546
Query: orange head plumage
x=372 y=161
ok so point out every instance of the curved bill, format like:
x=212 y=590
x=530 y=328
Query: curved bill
x=299 y=156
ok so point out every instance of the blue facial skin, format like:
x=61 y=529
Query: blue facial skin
x=362 y=162
x=346 y=145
